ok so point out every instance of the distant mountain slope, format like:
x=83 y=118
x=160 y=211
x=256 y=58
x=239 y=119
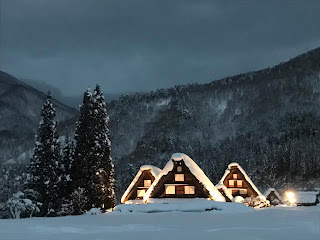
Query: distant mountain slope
x=268 y=121
x=241 y=118
x=20 y=107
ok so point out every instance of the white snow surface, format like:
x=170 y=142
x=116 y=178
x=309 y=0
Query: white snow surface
x=245 y=176
x=278 y=223
x=182 y=205
x=194 y=169
x=306 y=197
x=153 y=170
x=269 y=190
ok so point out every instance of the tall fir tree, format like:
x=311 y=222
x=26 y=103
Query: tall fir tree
x=44 y=169
x=104 y=181
x=92 y=172
x=65 y=188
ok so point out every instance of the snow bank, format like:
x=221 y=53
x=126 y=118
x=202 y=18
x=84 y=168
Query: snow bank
x=153 y=170
x=306 y=197
x=194 y=169
x=182 y=205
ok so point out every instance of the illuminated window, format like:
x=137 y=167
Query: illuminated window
x=147 y=183
x=170 y=190
x=231 y=183
x=235 y=176
x=189 y=190
x=179 y=169
x=243 y=191
x=141 y=193
x=179 y=177
x=239 y=183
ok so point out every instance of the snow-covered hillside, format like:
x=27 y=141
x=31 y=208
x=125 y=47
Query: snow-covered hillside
x=296 y=223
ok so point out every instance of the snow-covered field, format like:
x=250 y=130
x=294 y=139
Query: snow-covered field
x=278 y=223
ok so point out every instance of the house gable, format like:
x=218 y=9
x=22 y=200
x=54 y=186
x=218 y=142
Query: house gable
x=182 y=178
x=179 y=179
x=238 y=182
x=140 y=184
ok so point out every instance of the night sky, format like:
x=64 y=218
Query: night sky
x=130 y=45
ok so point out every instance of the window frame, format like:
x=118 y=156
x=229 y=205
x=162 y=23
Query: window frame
x=188 y=191
x=172 y=187
x=178 y=177
x=140 y=190
x=239 y=185
x=231 y=185
x=144 y=182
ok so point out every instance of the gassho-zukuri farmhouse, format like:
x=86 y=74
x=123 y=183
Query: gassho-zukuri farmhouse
x=183 y=178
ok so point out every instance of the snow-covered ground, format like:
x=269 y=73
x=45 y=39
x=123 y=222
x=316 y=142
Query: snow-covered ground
x=301 y=223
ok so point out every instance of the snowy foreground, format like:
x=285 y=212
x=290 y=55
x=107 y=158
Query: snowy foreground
x=283 y=223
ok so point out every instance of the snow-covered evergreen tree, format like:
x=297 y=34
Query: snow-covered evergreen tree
x=93 y=168
x=64 y=175
x=44 y=167
x=104 y=182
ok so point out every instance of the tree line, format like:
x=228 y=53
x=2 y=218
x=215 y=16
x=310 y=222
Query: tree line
x=75 y=178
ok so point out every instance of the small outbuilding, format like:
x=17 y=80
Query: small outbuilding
x=141 y=183
x=308 y=198
x=238 y=182
x=273 y=196
x=182 y=178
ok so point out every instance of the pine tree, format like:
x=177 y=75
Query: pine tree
x=93 y=169
x=65 y=188
x=80 y=176
x=105 y=196
x=44 y=169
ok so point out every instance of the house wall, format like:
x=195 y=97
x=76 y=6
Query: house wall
x=145 y=175
x=245 y=184
x=189 y=180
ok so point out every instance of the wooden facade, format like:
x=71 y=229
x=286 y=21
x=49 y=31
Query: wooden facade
x=179 y=183
x=141 y=186
x=237 y=183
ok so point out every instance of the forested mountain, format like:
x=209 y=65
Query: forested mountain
x=20 y=107
x=268 y=121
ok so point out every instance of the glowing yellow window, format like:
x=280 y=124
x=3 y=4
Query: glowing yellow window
x=231 y=183
x=239 y=183
x=170 y=190
x=179 y=177
x=147 y=183
x=189 y=190
x=235 y=176
x=141 y=193
x=179 y=169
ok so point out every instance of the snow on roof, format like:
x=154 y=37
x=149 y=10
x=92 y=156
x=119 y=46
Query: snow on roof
x=266 y=194
x=244 y=174
x=306 y=197
x=153 y=170
x=194 y=169
x=225 y=190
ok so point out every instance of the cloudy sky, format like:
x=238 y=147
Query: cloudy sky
x=129 y=46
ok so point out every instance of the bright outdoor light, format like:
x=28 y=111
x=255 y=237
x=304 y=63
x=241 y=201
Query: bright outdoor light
x=290 y=197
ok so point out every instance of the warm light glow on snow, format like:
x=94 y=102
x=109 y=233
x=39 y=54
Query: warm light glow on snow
x=290 y=197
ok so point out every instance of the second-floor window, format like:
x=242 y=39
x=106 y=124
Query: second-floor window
x=147 y=183
x=179 y=177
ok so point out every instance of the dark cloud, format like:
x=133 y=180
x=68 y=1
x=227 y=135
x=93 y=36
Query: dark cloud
x=130 y=45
